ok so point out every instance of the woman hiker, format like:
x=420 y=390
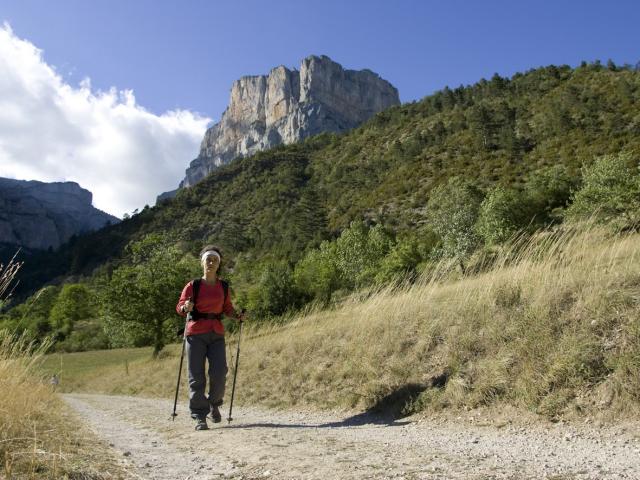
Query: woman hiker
x=207 y=299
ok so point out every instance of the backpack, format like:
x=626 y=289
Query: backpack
x=195 y=314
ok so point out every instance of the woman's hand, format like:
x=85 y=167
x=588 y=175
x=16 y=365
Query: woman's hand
x=187 y=306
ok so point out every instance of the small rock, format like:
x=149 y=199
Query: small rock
x=266 y=473
x=127 y=453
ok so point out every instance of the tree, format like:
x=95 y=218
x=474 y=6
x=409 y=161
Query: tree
x=74 y=303
x=547 y=193
x=610 y=192
x=452 y=211
x=317 y=273
x=32 y=316
x=405 y=256
x=275 y=292
x=359 y=251
x=501 y=215
x=482 y=124
x=140 y=297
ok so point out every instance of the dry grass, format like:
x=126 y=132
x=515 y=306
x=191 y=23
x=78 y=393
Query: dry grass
x=553 y=326
x=38 y=439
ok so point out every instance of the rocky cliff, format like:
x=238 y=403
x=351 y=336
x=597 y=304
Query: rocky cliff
x=38 y=215
x=287 y=106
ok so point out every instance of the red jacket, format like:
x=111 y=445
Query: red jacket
x=210 y=300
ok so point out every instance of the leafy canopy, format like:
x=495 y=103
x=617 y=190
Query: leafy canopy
x=139 y=299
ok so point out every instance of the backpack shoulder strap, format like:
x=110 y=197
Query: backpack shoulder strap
x=196 y=290
x=225 y=289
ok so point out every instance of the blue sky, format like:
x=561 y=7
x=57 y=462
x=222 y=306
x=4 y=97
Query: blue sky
x=186 y=54
x=158 y=57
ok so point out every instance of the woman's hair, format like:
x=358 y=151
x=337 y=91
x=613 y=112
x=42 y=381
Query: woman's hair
x=206 y=248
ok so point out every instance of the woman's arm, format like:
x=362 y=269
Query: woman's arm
x=229 y=309
x=185 y=296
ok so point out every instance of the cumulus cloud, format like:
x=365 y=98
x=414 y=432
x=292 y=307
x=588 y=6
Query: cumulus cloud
x=52 y=131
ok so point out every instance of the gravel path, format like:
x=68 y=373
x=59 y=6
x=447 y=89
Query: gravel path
x=262 y=443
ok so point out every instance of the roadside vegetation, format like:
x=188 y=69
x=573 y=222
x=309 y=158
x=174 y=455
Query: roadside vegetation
x=38 y=438
x=552 y=326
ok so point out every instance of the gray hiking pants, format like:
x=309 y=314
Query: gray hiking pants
x=210 y=347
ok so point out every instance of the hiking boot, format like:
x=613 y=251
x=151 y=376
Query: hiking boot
x=215 y=415
x=201 y=423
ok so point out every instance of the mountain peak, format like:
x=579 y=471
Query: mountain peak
x=286 y=106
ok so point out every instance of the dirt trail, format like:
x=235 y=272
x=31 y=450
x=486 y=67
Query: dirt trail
x=262 y=443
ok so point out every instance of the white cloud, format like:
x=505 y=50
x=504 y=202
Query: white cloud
x=52 y=131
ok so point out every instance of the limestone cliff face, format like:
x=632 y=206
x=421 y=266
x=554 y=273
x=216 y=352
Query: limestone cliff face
x=287 y=106
x=38 y=215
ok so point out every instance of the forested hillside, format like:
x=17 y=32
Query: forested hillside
x=452 y=175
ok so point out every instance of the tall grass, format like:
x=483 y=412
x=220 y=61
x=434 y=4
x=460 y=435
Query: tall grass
x=24 y=402
x=553 y=326
x=550 y=323
x=38 y=439
x=26 y=405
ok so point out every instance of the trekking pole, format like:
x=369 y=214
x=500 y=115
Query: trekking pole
x=184 y=341
x=235 y=373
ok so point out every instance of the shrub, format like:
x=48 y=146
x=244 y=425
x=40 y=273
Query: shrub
x=501 y=216
x=317 y=274
x=75 y=302
x=359 y=251
x=452 y=212
x=547 y=192
x=275 y=292
x=405 y=257
x=610 y=192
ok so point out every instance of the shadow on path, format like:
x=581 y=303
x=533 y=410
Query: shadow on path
x=386 y=411
x=354 y=421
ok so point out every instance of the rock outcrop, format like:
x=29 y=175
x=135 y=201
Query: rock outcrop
x=287 y=106
x=38 y=215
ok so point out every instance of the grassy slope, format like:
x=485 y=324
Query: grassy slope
x=553 y=328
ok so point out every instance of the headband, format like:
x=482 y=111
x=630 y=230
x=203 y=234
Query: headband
x=209 y=253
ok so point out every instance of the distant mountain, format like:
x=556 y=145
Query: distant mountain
x=287 y=106
x=37 y=215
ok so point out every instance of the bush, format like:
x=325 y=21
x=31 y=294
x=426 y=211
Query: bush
x=452 y=212
x=317 y=274
x=275 y=292
x=405 y=257
x=75 y=302
x=501 y=216
x=610 y=192
x=86 y=335
x=32 y=316
x=359 y=251
x=547 y=192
